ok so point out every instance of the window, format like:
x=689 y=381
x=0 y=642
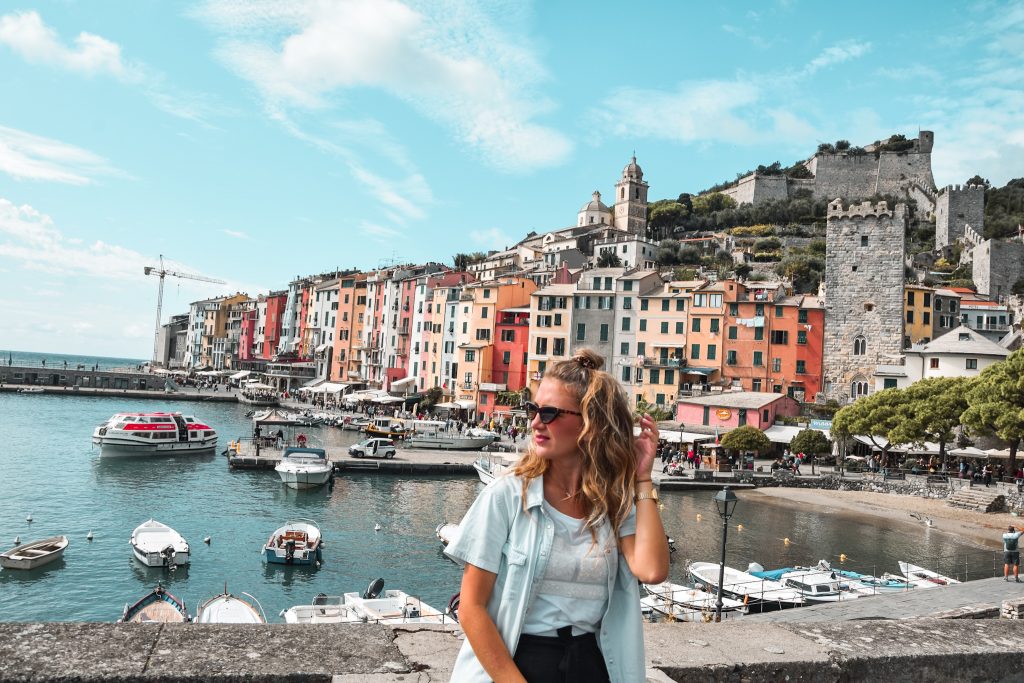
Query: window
x=627 y=302
x=755 y=384
x=655 y=376
x=670 y=377
x=730 y=357
x=695 y=351
x=643 y=304
x=607 y=283
x=801 y=337
x=558 y=319
x=863 y=240
x=707 y=415
x=801 y=367
x=483 y=310
x=604 y=332
x=625 y=373
x=542 y=346
x=470 y=355
x=926 y=318
x=742 y=416
x=858 y=388
x=664 y=328
x=734 y=309
x=508 y=335
x=679 y=304
x=679 y=328
x=780 y=337
x=641 y=348
x=758 y=359
x=765 y=415
x=659 y=399
x=910 y=317
x=860 y=346
x=889 y=383
x=506 y=357
x=643 y=325
x=759 y=310
x=938 y=304
x=758 y=333
x=627 y=286
x=910 y=298
x=972 y=363
x=801 y=316
x=558 y=347
x=712 y=351
x=778 y=311
x=625 y=324
x=664 y=304
x=732 y=332
x=695 y=325
x=776 y=365
x=927 y=300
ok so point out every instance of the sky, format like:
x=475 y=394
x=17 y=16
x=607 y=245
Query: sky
x=254 y=142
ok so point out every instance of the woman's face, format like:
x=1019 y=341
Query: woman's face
x=557 y=440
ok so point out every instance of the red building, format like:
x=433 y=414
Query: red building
x=272 y=325
x=247 y=336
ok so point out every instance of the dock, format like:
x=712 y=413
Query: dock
x=406 y=461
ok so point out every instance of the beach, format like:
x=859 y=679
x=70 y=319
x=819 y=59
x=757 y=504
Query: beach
x=981 y=529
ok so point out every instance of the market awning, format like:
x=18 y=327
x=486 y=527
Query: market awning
x=389 y=399
x=969 y=452
x=322 y=347
x=240 y=375
x=685 y=437
x=449 y=405
x=786 y=433
x=466 y=405
x=402 y=383
x=332 y=387
x=313 y=383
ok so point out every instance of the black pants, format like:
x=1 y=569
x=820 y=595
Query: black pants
x=565 y=659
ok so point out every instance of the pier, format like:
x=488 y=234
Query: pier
x=406 y=461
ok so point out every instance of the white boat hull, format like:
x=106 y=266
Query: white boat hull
x=919 y=577
x=158 y=545
x=228 y=609
x=304 y=477
x=118 y=448
x=743 y=586
x=394 y=607
x=34 y=555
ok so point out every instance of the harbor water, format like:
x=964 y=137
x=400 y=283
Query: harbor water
x=53 y=473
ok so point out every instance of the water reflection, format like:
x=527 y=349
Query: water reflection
x=28 y=575
x=148 y=472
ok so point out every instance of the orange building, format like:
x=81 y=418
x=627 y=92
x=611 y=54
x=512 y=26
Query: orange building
x=348 y=328
x=705 y=335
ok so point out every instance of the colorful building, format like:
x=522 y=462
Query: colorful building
x=732 y=409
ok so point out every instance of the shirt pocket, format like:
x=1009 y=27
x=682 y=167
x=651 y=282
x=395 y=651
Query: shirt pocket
x=514 y=557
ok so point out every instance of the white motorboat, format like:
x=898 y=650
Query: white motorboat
x=157 y=606
x=815 y=585
x=355 y=424
x=378 y=606
x=304 y=468
x=446 y=532
x=230 y=609
x=157 y=545
x=919 y=577
x=298 y=542
x=34 y=554
x=489 y=467
x=325 y=609
x=31 y=390
x=432 y=434
x=683 y=603
x=127 y=434
x=756 y=593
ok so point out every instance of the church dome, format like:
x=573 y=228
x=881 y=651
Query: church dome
x=595 y=204
x=632 y=171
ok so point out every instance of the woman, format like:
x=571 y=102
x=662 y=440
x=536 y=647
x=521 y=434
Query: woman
x=553 y=552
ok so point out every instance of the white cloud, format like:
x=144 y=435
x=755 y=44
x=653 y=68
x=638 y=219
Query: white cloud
x=837 y=54
x=406 y=198
x=376 y=230
x=450 y=61
x=491 y=238
x=25 y=156
x=237 y=234
x=27 y=35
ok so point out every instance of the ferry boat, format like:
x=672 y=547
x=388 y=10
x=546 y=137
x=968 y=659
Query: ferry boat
x=153 y=434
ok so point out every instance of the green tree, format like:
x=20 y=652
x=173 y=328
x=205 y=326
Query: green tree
x=462 y=261
x=873 y=416
x=996 y=403
x=931 y=411
x=713 y=201
x=431 y=397
x=746 y=439
x=668 y=215
x=657 y=413
x=608 y=259
x=811 y=442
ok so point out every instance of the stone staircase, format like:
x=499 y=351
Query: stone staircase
x=980 y=499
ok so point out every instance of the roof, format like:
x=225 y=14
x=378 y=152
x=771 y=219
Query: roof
x=952 y=342
x=736 y=399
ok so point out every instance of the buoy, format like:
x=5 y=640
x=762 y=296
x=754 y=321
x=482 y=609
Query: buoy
x=786 y=540
x=206 y=540
x=29 y=518
x=739 y=527
x=842 y=557
x=698 y=518
x=17 y=540
x=89 y=536
x=376 y=527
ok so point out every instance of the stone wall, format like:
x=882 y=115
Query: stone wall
x=864 y=263
x=59 y=376
x=756 y=188
x=996 y=266
x=955 y=207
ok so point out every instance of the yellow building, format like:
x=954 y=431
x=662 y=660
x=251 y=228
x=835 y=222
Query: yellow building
x=550 y=323
x=918 y=302
x=215 y=332
x=661 y=341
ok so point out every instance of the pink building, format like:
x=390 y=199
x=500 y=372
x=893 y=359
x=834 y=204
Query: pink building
x=736 y=409
x=247 y=336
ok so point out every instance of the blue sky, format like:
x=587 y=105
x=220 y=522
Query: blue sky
x=257 y=141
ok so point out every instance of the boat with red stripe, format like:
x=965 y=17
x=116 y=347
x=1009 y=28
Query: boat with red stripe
x=154 y=434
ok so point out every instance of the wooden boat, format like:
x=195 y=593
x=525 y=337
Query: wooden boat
x=387 y=427
x=684 y=603
x=155 y=544
x=230 y=609
x=34 y=554
x=866 y=584
x=924 y=578
x=157 y=606
x=298 y=542
x=757 y=594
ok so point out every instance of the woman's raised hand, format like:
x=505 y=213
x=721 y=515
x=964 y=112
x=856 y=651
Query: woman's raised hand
x=646 y=446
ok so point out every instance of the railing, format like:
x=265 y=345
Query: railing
x=664 y=362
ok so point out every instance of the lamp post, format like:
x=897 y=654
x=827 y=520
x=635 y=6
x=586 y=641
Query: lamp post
x=725 y=501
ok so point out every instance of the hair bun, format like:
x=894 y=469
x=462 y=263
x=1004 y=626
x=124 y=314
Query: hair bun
x=589 y=360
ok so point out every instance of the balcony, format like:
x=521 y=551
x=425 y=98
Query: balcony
x=664 y=362
x=537 y=376
x=468 y=386
x=491 y=386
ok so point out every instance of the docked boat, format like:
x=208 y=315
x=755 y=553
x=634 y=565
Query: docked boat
x=355 y=424
x=155 y=544
x=298 y=542
x=31 y=390
x=325 y=609
x=684 y=603
x=866 y=584
x=34 y=554
x=431 y=434
x=230 y=609
x=815 y=585
x=489 y=467
x=153 y=434
x=157 y=606
x=924 y=578
x=757 y=594
x=387 y=427
x=446 y=532
x=304 y=468
x=379 y=606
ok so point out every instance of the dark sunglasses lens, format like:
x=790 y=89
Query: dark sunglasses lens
x=548 y=414
x=531 y=409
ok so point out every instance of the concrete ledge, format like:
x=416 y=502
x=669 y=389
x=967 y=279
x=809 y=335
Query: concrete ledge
x=917 y=650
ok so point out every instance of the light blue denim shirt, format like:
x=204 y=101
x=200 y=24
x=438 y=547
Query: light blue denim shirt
x=499 y=536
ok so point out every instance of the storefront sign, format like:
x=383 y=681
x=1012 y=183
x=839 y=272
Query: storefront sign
x=723 y=413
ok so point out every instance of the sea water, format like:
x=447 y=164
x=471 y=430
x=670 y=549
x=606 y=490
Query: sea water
x=52 y=471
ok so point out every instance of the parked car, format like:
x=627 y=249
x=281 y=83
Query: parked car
x=373 y=448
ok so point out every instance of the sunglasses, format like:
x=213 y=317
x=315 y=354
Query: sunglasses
x=548 y=414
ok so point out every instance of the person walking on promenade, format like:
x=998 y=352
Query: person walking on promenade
x=553 y=551
x=1011 y=553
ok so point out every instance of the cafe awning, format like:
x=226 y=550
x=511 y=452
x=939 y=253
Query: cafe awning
x=402 y=383
x=240 y=375
x=685 y=437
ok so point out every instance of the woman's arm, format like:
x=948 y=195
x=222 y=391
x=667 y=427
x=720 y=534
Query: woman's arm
x=480 y=630
x=646 y=553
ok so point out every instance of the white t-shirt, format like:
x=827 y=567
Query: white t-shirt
x=574 y=589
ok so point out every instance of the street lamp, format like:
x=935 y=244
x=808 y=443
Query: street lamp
x=725 y=501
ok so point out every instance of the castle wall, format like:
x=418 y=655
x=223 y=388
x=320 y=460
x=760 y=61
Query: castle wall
x=955 y=207
x=897 y=170
x=864 y=284
x=843 y=175
x=755 y=188
x=996 y=266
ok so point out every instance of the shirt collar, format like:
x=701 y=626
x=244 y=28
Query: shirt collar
x=535 y=493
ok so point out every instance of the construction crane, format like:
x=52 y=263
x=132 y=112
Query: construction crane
x=163 y=272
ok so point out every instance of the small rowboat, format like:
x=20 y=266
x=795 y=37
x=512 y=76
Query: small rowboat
x=924 y=578
x=34 y=554
x=230 y=609
x=157 y=606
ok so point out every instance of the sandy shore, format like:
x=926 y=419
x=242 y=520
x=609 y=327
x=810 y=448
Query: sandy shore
x=978 y=528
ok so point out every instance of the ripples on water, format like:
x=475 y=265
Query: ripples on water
x=52 y=471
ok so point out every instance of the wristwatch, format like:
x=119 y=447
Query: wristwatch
x=650 y=495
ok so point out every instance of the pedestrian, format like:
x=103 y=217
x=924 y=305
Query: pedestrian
x=581 y=496
x=1011 y=553
x=797 y=459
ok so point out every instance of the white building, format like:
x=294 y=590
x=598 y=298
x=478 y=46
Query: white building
x=961 y=352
